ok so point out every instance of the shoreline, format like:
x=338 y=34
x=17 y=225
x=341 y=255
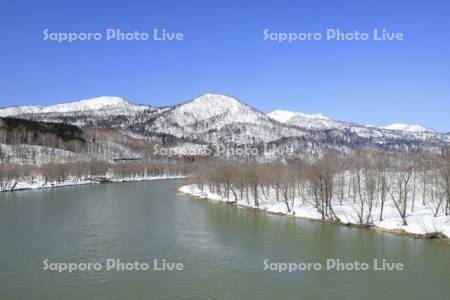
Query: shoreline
x=445 y=240
x=39 y=185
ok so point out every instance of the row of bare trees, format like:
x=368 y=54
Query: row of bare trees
x=366 y=180
x=13 y=174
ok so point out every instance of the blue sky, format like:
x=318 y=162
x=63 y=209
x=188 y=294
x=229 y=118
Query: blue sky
x=223 y=51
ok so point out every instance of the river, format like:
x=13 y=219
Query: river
x=223 y=249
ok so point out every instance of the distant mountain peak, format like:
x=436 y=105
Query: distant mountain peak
x=225 y=101
x=88 y=104
x=103 y=104
x=284 y=116
x=281 y=116
x=104 y=100
x=218 y=99
x=408 y=128
x=210 y=105
x=212 y=111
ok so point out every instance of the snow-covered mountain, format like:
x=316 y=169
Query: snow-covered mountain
x=316 y=121
x=209 y=112
x=224 y=120
x=214 y=106
x=408 y=128
x=101 y=106
x=103 y=111
x=319 y=121
x=284 y=116
x=213 y=119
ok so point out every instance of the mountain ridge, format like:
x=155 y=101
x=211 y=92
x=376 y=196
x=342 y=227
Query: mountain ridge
x=102 y=102
x=279 y=115
x=408 y=127
x=217 y=119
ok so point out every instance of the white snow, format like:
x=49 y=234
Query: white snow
x=421 y=221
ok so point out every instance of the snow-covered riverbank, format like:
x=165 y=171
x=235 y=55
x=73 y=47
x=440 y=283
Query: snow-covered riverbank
x=40 y=184
x=420 y=222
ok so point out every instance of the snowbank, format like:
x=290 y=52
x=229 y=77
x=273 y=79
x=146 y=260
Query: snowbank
x=40 y=184
x=421 y=221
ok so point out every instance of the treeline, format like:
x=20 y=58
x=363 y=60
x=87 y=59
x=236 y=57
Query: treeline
x=15 y=131
x=368 y=179
x=11 y=175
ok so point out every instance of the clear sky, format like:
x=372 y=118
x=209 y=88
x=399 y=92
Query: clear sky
x=223 y=51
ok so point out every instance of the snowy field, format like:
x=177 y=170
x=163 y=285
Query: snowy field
x=419 y=221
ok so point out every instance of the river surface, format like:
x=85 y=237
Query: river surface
x=222 y=249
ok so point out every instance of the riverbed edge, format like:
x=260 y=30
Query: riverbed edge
x=69 y=183
x=398 y=231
